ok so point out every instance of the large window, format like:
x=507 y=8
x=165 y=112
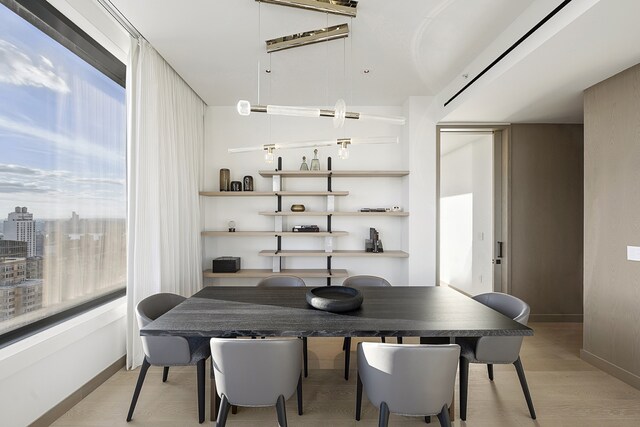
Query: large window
x=62 y=169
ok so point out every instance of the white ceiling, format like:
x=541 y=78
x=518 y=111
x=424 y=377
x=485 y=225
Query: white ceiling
x=452 y=141
x=411 y=47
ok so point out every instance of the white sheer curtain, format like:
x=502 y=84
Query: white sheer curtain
x=166 y=146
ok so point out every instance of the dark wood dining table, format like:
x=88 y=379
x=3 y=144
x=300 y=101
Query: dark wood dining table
x=433 y=313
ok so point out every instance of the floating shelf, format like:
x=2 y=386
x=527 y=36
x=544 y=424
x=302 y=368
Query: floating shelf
x=344 y=253
x=336 y=174
x=272 y=193
x=310 y=213
x=273 y=234
x=304 y=273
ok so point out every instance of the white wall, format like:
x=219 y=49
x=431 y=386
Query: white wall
x=40 y=371
x=466 y=216
x=224 y=129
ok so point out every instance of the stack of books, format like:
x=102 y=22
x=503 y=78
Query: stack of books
x=306 y=229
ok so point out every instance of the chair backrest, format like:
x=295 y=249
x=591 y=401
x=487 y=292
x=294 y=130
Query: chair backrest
x=412 y=379
x=164 y=351
x=282 y=280
x=365 y=280
x=502 y=349
x=256 y=372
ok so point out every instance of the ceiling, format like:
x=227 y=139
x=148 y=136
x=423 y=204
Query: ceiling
x=410 y=48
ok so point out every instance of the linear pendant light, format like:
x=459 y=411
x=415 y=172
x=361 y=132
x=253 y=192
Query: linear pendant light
x=305 y=38
x=337 y=7
x=339 y=114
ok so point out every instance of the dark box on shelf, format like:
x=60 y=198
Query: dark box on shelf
x=226 y=264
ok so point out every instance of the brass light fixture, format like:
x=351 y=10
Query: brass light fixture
x=337 y=7
x=335 y=32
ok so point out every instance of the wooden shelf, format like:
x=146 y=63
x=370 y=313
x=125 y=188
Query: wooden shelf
x=347 y=253
x=272 y=193
x=304 y=273
x=334 y=173
x=310 y=213
x=214 y=233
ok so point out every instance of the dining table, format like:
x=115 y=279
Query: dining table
x=435 y=314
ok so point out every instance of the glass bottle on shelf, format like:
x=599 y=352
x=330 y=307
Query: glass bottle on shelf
x=304 y=166
x=315 y=163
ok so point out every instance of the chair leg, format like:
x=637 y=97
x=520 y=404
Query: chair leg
x=399 y=339
x=443 y=416
x=143 y=372
x=427 y=419
x=223 y=412
x=201 y=375
x=165 y=374
x=464 y=385
x=490 y=371
x=344 y=344
x=525 y=388
x=358 y=397
x=299 y=393
x=305 y=357
x=347 y=356
x=281 y=412
x=383 y=339
x=383 y=419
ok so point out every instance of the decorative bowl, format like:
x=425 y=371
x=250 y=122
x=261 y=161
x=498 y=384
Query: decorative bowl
x=297 y=208
x=336 y=299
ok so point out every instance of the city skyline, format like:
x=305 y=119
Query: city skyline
x=62 y=129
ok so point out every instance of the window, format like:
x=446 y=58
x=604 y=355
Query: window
x=62 y=170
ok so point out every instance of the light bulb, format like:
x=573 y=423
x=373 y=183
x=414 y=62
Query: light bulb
x=268 y=155
x=244 y=108
x=343 y=151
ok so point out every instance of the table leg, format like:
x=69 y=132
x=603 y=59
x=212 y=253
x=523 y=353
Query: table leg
x=443 y=340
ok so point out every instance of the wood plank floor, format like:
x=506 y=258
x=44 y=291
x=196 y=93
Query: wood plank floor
x=566 y=391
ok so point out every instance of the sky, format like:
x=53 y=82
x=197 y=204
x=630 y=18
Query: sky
x=62 y=129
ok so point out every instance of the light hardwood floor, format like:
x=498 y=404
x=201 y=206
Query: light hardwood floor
x=566 y=391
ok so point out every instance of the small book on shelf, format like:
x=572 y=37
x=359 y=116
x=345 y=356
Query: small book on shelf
x=305 y=229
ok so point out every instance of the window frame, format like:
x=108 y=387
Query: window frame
x=46 y=18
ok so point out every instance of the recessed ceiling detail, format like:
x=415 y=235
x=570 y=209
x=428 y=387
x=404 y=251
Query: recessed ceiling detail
x=337 y=7
x=308 y=37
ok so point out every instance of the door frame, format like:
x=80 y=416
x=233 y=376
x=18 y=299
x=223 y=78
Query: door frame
x=502 y=165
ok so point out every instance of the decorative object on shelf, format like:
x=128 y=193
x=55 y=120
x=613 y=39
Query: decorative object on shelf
x=374 y=209
x=339 y=114
x=297 y=208
x=343 y=143
x=336 y=299
x=396 y=209
x=247 y=183
x=373 y=243
x=315 y=163
x=236 y=186
x=225 y=179
x=305 y=229
x=232 y=226
x=304 y=166
x=226 y=264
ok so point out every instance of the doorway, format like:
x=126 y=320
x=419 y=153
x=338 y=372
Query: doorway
x=472 y=162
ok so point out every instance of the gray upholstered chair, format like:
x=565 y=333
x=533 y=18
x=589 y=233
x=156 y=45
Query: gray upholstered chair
x=294 y=281
x=168 y=351
x=415 y=379
x=362 y=280
x=495 y=350
x=257 y=373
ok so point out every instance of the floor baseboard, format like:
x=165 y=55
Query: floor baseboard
x=611 y=369
x=61 y=408
x=575 y=318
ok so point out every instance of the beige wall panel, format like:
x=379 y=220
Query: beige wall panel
x=612 y=220
x=547 y=218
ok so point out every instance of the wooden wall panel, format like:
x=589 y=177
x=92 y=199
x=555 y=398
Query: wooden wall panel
x=612 y=221
x=547 y=219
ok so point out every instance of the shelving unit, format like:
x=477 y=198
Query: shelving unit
x=278 y=254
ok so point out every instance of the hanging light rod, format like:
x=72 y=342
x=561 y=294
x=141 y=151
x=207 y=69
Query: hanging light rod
x=335 y=32
x=337 y=7
x=343 y=145
x=339 y=114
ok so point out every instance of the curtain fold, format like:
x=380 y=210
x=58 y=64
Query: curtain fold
x=165 y=173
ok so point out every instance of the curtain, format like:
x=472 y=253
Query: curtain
x=165 y=155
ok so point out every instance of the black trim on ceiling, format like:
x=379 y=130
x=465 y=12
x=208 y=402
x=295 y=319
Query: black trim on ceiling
x=55 y=319
x=512 y=47
x=49 y=20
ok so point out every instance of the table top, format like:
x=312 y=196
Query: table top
x=421 y=311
